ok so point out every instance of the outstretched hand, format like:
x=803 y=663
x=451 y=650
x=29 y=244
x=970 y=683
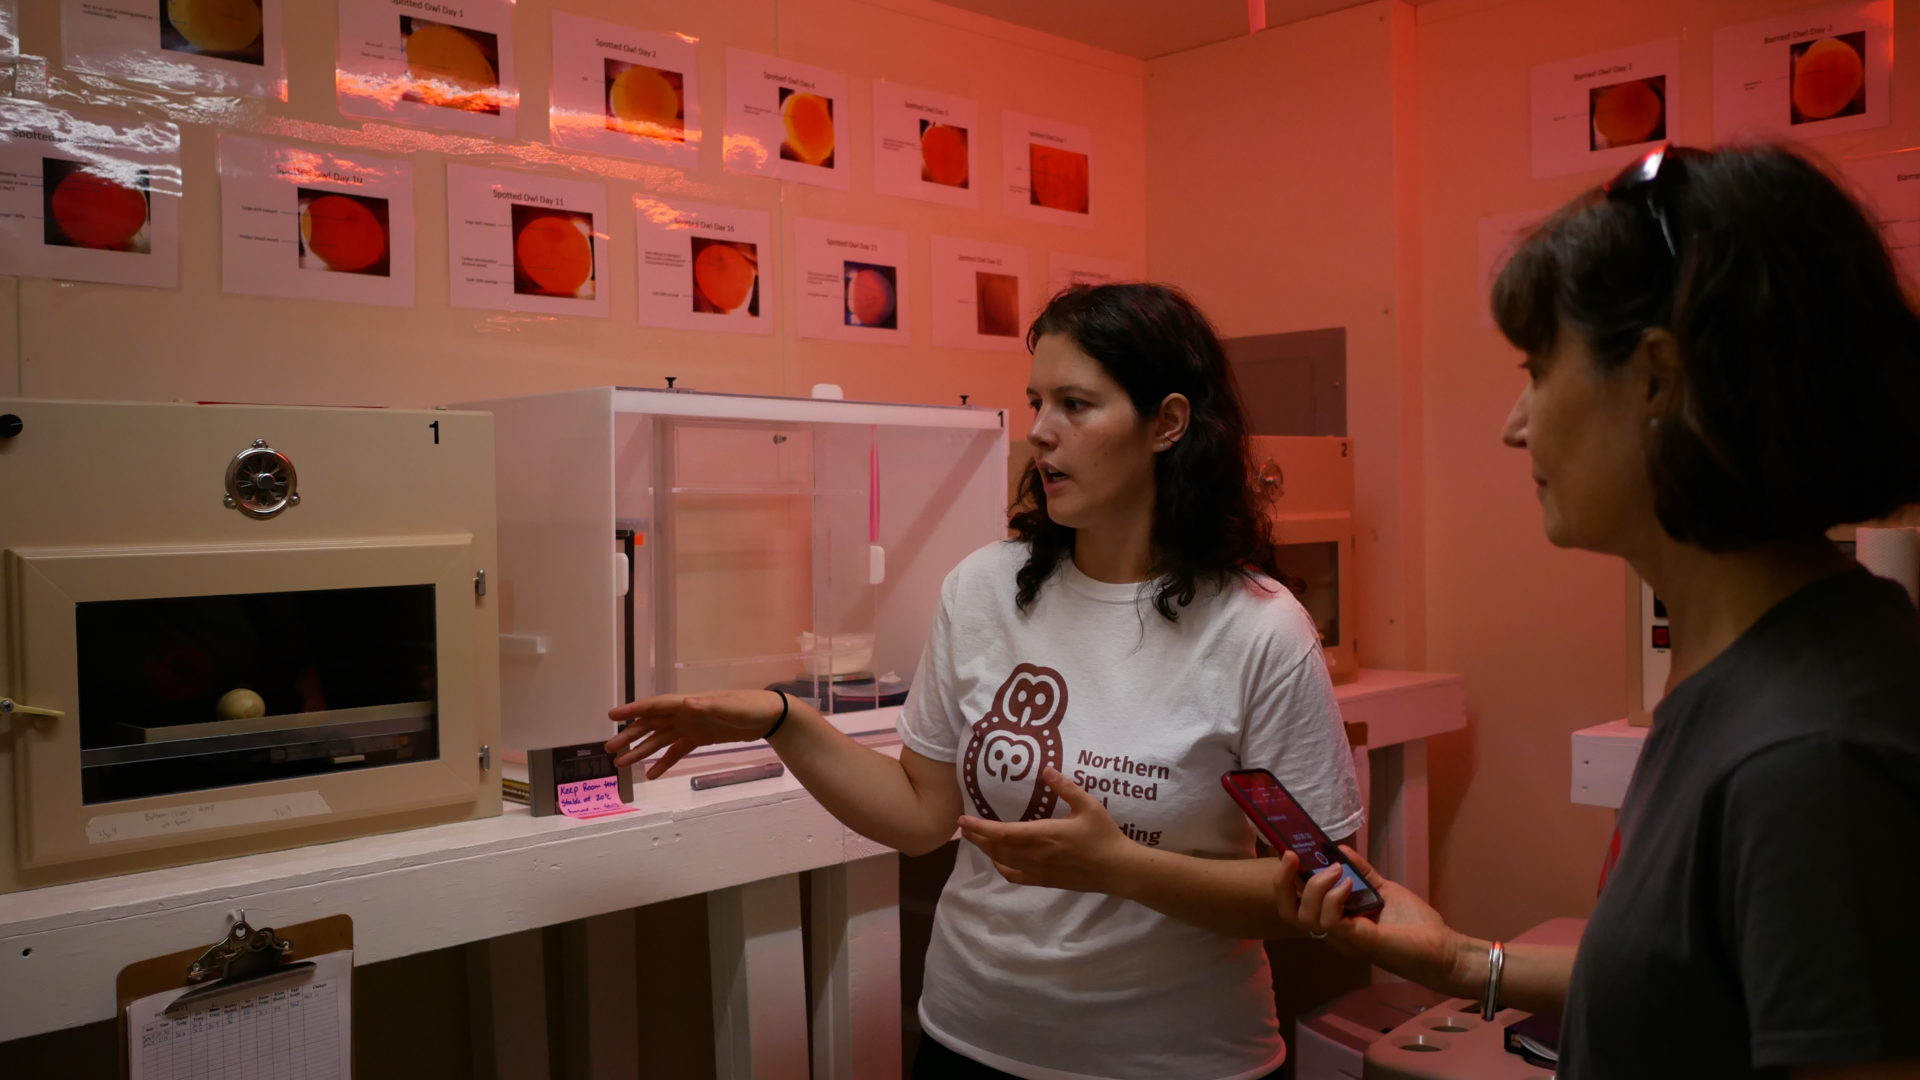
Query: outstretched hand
x=679 y=724
x=1407 y=936
x=1081 y=851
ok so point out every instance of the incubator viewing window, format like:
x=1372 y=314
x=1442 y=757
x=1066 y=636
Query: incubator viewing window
x=182 y=694
x=1312 y=572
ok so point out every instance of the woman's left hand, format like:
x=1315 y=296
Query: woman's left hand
x=1082 y=851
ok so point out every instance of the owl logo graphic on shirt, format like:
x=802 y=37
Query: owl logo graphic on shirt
x=1011 y=745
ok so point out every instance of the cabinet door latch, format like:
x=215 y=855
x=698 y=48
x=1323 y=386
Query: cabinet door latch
x=10 y=707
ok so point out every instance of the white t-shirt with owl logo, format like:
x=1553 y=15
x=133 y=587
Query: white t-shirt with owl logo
x=1146 y=715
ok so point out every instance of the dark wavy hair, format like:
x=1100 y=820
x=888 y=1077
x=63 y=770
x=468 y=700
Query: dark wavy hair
x=1798 y=404
x=1209 y=524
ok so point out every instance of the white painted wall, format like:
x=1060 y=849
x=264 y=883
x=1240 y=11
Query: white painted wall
x=1277 y=186
x=1333 y=172
x=1538 y=631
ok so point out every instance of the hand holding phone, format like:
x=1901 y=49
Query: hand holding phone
x=1286 y=826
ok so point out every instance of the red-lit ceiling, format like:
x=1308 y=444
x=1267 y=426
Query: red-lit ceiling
x=1146 y=28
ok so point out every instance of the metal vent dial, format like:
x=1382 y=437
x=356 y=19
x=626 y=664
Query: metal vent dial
x=1272 y=477
x=261 y=481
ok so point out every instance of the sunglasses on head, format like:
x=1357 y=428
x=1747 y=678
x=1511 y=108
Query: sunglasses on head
x=1650 y=181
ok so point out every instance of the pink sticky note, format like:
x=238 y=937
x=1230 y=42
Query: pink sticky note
x=594 y=798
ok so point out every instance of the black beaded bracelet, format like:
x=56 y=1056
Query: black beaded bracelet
x=783 y=715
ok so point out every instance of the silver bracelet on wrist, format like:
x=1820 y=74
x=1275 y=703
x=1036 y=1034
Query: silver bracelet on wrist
x=1496 y=961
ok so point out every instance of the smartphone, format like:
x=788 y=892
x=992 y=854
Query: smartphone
x=1285 y=825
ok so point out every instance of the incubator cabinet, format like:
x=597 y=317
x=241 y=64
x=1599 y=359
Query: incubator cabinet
x=236 y=628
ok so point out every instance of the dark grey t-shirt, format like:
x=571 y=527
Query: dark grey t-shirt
x=1760 y=915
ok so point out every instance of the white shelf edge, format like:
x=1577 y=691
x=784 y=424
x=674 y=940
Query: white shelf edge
x=432 y=888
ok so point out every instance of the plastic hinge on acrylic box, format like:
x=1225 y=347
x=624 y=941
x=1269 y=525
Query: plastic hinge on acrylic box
x=662 y=541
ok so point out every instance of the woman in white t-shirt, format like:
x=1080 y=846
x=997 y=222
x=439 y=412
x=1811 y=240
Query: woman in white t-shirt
x=1083 y=689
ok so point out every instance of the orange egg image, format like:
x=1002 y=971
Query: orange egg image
x=216 y=25
x=1828 y=78
x=996 y=304
x=552 y=254
x=1627 y=113
x=943 y=155
x=870 y=296
x=723 y=275
x=343 y=233
x=808 y=120
x=450 y=67
x=644 y=101
x=1059 y=178
x=93 y=211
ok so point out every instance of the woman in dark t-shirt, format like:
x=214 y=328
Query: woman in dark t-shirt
x=1721 y=367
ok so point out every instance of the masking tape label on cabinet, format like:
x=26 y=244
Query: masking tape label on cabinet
x=139 y=824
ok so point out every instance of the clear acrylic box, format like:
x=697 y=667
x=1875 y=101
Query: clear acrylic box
x=660 y=541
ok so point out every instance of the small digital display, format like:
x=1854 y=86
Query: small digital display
x=572 y=770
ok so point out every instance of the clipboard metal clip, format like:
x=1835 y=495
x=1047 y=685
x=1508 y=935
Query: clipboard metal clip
x=245 y=955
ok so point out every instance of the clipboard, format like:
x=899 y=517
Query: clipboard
x=247 y=962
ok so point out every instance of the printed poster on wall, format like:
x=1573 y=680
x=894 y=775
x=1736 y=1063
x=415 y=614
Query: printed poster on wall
x=700 y=265
x=852 y=282
x=981 y=295
x=1889 y=185
x=1604 y=110
x=1048 y=170
x=924 y=144
x=1500 y=236
x=786 y=120
x=1065 y=268
x=623 y=91
x=521 y=242
x=87 y=198
x=1819 y=72
x=437 y=63
x=219 y=46
x=313 y=223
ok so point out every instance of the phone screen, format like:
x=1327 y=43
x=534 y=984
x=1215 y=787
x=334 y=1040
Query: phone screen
x=1285 y=825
